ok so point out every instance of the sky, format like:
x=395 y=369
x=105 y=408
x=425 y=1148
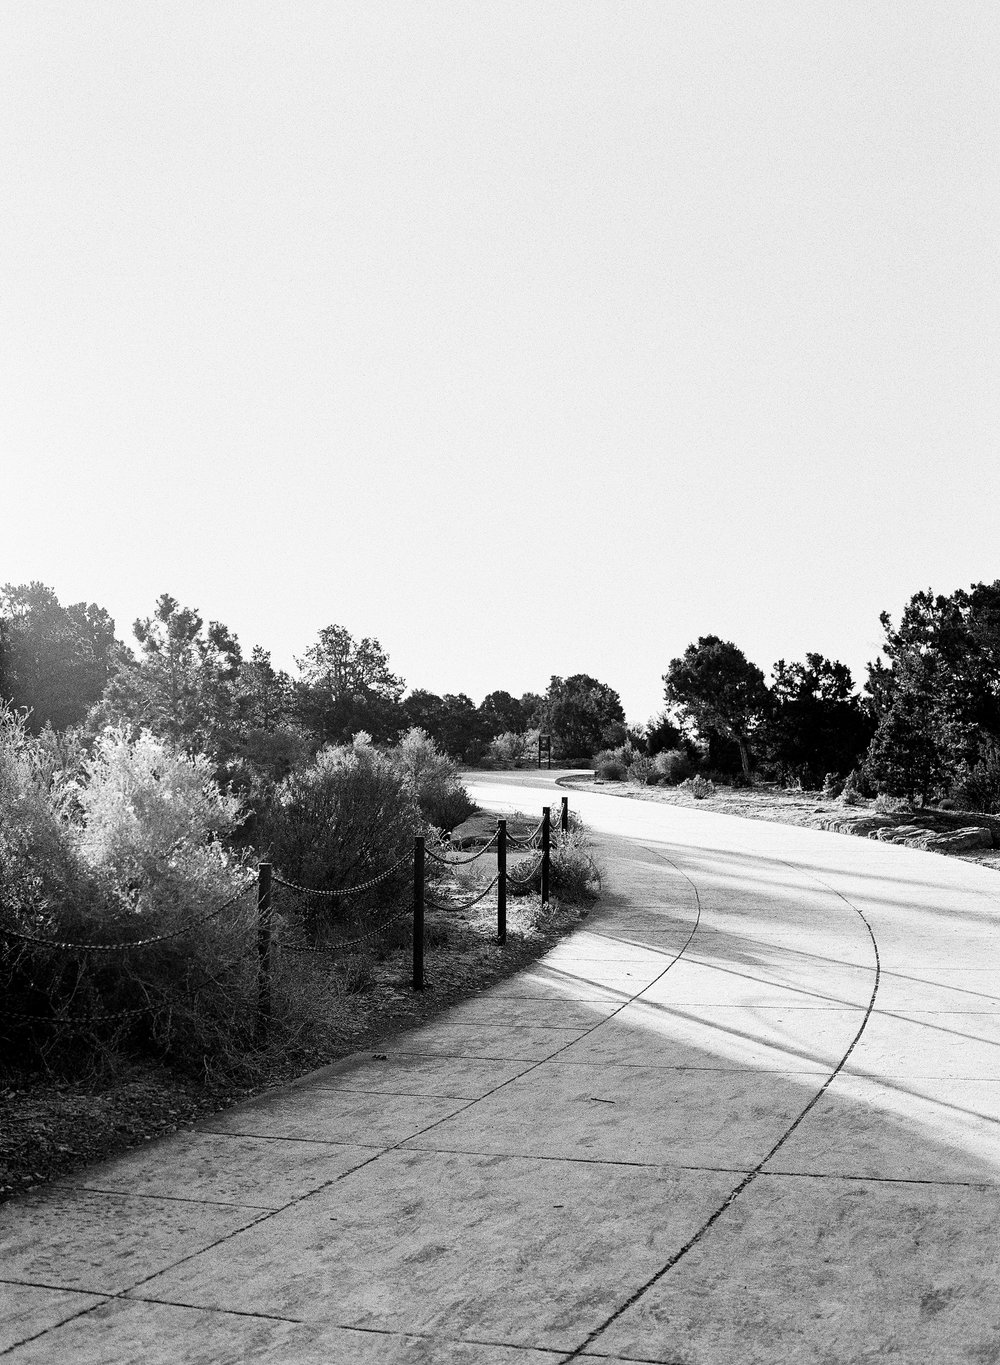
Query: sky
x=530 y=338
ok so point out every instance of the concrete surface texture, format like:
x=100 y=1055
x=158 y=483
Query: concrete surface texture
x=746 y=1113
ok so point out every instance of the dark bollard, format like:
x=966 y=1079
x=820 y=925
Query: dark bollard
x=546 y=843
x=501 y=881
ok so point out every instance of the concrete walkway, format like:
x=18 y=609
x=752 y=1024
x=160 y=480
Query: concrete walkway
x=748 y=1113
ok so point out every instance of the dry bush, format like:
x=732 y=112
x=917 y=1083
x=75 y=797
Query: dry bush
x=674 y=766
x=432 y=778
x=122 y=850
x=642 y=771
x=339 y=823
x=574 y=875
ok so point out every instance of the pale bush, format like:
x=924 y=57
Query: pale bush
x=509 y=749
x=892 y=805
x=153 y=821
x=851 y=793
x=574 y=875
x=126 y=848
x=701 y=788
x=642 y=771
x=40 y=867
x=432 y=777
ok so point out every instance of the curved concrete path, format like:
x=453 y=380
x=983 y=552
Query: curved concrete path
x=747 y=1113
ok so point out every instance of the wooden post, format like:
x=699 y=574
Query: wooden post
x=263 y=953
x=546 y=842
x=564 y=816
x=501 y=881
x=418 y=913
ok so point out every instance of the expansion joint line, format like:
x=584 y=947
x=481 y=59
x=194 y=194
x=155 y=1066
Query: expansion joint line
x=751 y=1176
x=543 y=1061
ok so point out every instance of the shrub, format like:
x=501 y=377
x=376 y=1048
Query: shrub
x=574 y=876
x=642 y=771
x=510 y=748
x=892 y=805
x=153 y=819
x=124 y=847
x=343 y=820
x=41 y=871
x=851 y=794
x=700 y=787
x=977 y=786
x=608 y=768
x=432 y=778
x=612 y=765
x=833 y=785
x=674 y=766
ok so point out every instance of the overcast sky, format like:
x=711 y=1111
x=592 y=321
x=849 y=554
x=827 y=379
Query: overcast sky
x=529 y=337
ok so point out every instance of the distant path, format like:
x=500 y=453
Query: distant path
x=746 y=1113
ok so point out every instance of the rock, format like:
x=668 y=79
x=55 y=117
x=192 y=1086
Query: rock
x=958 y=840
x=914 y=835
x=857 y=824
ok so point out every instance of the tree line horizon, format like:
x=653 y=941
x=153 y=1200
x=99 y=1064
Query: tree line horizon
x=925 y=723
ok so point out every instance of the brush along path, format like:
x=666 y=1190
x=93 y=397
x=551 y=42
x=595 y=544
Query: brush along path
x=51 y=1127
x=748 y=1112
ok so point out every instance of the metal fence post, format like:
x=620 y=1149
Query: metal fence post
x=502 y=881
x=263 y=952
x=418 y=913
x=564 y=816
x=546 y=840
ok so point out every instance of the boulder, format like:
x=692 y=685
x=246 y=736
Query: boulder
x=857 y=824
x=959 y=840
x=914 y=835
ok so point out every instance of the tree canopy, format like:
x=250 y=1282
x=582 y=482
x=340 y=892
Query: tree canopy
x=583 y=715
x=55 y=661
x=347 y=686
x=182 y=685
x=716 y=687
x=816 y=723
x=937 y=701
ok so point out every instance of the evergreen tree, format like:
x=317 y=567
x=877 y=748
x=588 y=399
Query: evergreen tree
x=55 y=661
x=346 y=686
x=719 y=691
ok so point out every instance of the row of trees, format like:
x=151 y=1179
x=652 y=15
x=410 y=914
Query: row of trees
x=191 y=683
x=927 y=724
x=808 y=723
